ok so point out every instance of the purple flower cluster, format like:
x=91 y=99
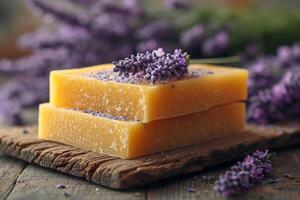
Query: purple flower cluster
x=155 y=66
x=273 y=86
x=244 y=175
x=280 y=102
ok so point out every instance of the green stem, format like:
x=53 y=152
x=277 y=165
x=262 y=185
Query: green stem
x=221 y=60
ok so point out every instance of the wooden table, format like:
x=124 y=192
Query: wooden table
x=19 y=180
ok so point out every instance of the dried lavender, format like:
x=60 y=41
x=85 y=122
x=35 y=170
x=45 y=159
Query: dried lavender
x=104 y=115
x=267 y=71
x=21 y=92
x=155 y=66
x=279 y=103
x=244 y=175
x=263 y=74
x=273 y=86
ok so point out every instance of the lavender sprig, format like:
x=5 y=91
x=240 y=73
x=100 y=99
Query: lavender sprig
x=244 y=175
x=279 y=103
x=59 y=13
x=155 y=66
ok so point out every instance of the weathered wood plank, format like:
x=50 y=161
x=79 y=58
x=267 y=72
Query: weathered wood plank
x=284 y=184
x=37 y=183
x=123 y=174
x=10 y=169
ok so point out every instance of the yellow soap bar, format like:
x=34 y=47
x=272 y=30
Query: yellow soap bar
x=146 y=102
x=130 y=139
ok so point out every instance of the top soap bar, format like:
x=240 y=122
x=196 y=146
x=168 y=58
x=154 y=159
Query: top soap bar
x=91 y=88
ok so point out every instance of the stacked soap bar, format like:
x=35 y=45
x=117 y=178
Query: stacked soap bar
x=90 y=109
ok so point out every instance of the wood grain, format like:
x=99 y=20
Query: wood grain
x=37 y=183
x=124 y=174
x=10 y=169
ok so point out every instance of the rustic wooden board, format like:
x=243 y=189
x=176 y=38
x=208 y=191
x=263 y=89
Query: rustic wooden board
x=124 y=174
x=36 y=183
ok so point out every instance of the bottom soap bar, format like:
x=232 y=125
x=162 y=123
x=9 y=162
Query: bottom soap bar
x=130 y=139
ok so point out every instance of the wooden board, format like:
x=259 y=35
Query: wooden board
x=125 y=174
x=35 y=183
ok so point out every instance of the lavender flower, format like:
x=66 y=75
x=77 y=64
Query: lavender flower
x=273 y=86
x=21 y=92
x=216 y=45
x=244 y=175
x=263 y=74
x=279 y=103
x=59 y=13
x=284 y=56
x=192 y=38
x=155 y=66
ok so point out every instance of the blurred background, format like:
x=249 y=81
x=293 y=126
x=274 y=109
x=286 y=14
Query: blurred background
x=37 y=36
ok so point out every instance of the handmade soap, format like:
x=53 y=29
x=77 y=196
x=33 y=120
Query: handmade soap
x=129 y=139
x=209 y=87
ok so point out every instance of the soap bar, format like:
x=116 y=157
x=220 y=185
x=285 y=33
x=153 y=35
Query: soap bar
x=146 y=102
x=130 y=139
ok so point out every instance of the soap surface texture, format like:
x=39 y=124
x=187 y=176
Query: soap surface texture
x=146 y=102
x=131 y=139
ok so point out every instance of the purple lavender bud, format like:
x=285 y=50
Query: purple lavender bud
x=244 y=175
x=279 y=103
x=216 y=45
x=66 y=36
x=154 y=66
x=284 y=56
x=262 y=75
x=59 y=13
x=19 y=93
x=192 y=37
